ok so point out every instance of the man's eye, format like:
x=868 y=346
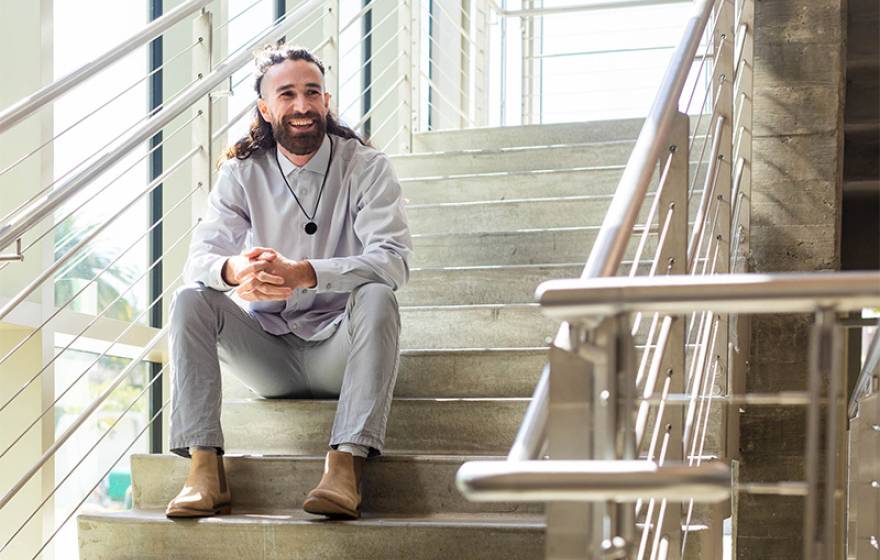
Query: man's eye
x=313 y=92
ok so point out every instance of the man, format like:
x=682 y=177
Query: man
x=320 y=218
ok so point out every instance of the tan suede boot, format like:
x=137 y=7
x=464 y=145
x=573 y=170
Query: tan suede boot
x=338 y=494
x=205 y=491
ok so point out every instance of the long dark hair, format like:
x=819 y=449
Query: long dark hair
x=260 y=137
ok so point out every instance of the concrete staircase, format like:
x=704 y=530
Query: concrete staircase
x=493 y=212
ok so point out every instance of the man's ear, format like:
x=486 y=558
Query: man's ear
x=264 y=110
x=327 y=97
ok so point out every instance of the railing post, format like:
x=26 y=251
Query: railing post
x=330 y=52
x=466 y=54
x=823 y=503
x=415 y=76
x=741 y=221
x=571 y=527
x=531 y=66
x=673 y=260
x=202 y=161
x=723 y=43
x=480 y=33
x=406 y=41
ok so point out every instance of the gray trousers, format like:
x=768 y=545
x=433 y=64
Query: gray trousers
x=358 y=364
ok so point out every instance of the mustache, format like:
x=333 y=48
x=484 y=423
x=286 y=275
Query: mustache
x=313 y=116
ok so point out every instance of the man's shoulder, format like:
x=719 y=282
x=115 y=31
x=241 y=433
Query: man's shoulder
x=240 y=169
x=358 y=155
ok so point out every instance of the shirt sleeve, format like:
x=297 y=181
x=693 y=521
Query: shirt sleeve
x=381 y=226
x=220 y=234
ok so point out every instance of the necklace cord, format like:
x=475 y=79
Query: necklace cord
x=323 y=182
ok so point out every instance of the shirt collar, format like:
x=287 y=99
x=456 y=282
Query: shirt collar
x=317 y=163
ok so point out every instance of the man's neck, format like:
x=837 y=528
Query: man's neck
x=298 y=161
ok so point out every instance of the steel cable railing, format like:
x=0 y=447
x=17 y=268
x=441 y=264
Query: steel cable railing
x=57 y=222
x=11 y=232
x=28 y=105
x=93 y=320
x=595 y=341
x=51 y=270
x=102 y=477
x=70 y=127
x=82 y=163
x=71 y=254
x=147 y=387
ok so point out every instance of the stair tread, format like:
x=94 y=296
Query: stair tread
x=508 y=149
x=298 y=517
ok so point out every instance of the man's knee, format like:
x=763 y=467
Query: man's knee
x=191 y=300
x=378 y=301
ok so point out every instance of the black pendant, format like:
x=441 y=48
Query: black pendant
x=311 y=228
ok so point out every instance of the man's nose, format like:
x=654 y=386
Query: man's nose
x=299 y=105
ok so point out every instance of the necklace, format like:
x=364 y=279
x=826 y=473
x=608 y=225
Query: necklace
x=311 y=226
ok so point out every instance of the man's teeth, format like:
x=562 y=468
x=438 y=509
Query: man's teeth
x=301 y=122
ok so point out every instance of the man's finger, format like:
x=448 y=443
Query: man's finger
x=253 y=252
x=267 y=278
x=273 y=291
x=254 y=267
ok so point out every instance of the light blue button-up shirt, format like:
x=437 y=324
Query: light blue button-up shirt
x=362 y=234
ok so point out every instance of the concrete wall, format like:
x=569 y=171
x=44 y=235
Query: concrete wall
x=796 y=207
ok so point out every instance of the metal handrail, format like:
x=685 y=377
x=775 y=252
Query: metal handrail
x=577 y=481
x=33 y=214
x=59 y=87
x=617 y=226
x=570 y=300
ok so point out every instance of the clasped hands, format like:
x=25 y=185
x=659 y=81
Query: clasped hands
x=263 y=274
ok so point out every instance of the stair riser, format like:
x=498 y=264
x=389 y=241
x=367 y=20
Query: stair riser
x=288 y=427
x=561 y=182
x=102 y=539
x=479 y=286
x=262 y=484
x=433 y=165
x=509 y=216
x=491 y=373
x=475 y=327
x=534 y=135
x=526 y=247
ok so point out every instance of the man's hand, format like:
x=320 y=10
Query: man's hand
x=263 y=274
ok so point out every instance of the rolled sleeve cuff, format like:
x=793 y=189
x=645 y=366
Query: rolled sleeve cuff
x=328 y=274
x=216 y=275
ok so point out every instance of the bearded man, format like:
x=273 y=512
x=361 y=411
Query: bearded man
x=306 y=228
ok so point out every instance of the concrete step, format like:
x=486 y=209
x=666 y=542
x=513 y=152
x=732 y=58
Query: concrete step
x=527 y=135
x=149 y=535
x=481 y=284
x=415 y=426
x=533 y=135
x=453 y=373
x=267 y=483
x=438 y=164
x=523 y=246
x=474 y=326
x=467 y=187
x=519 y=213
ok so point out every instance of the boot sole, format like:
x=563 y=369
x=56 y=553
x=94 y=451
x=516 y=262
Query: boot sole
x=189 y=513
x=323 y=506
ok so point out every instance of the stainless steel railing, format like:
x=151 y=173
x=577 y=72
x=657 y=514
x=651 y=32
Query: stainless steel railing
x=669 y=369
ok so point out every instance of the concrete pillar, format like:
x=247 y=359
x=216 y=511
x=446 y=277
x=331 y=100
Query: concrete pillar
x=797 y=175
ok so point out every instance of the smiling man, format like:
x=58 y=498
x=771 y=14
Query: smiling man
x=306 y=229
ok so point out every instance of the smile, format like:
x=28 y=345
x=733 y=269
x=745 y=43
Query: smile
x=301 y=123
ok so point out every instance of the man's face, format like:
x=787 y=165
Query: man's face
x=294 y=103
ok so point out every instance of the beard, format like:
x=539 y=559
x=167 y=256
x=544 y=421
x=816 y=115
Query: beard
x=296 y=142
